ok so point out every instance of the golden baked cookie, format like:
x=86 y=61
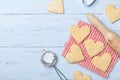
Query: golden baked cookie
x=79 y=33
x=79 y=76
x=75 y=54
x=102 y=62
x=113 y=13
x=56 y=6
x=93 y=48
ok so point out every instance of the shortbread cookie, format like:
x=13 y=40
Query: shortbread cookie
x=55 y=6
x=102 y=62
x=79 y=76
x=75 y=54
x=79 y=33
x=93 y=48
x=113 y=13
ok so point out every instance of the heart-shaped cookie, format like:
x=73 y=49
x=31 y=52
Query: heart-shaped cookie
x=55 y=6
x=102 y=62
x=75 y=54
x=113 y=13
x=79 y=76
x=93 y=48
x=79 y=33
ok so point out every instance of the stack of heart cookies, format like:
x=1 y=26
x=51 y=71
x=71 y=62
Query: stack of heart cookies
x=87 y=47
x=93 y=48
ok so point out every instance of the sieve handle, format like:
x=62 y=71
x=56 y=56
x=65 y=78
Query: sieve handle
x=60 y=74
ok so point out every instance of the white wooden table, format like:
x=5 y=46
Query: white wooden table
x=26 y=28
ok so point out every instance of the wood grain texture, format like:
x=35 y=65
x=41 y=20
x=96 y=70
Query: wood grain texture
x=26 y=28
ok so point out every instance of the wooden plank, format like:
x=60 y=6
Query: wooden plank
x=36 y=7
x=24 y=64
x=42 y=30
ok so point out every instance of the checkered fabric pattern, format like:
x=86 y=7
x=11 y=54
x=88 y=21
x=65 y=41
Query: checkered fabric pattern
x=97 y=36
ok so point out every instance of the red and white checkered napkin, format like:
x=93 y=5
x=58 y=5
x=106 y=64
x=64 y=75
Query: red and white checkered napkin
x=97 y=36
